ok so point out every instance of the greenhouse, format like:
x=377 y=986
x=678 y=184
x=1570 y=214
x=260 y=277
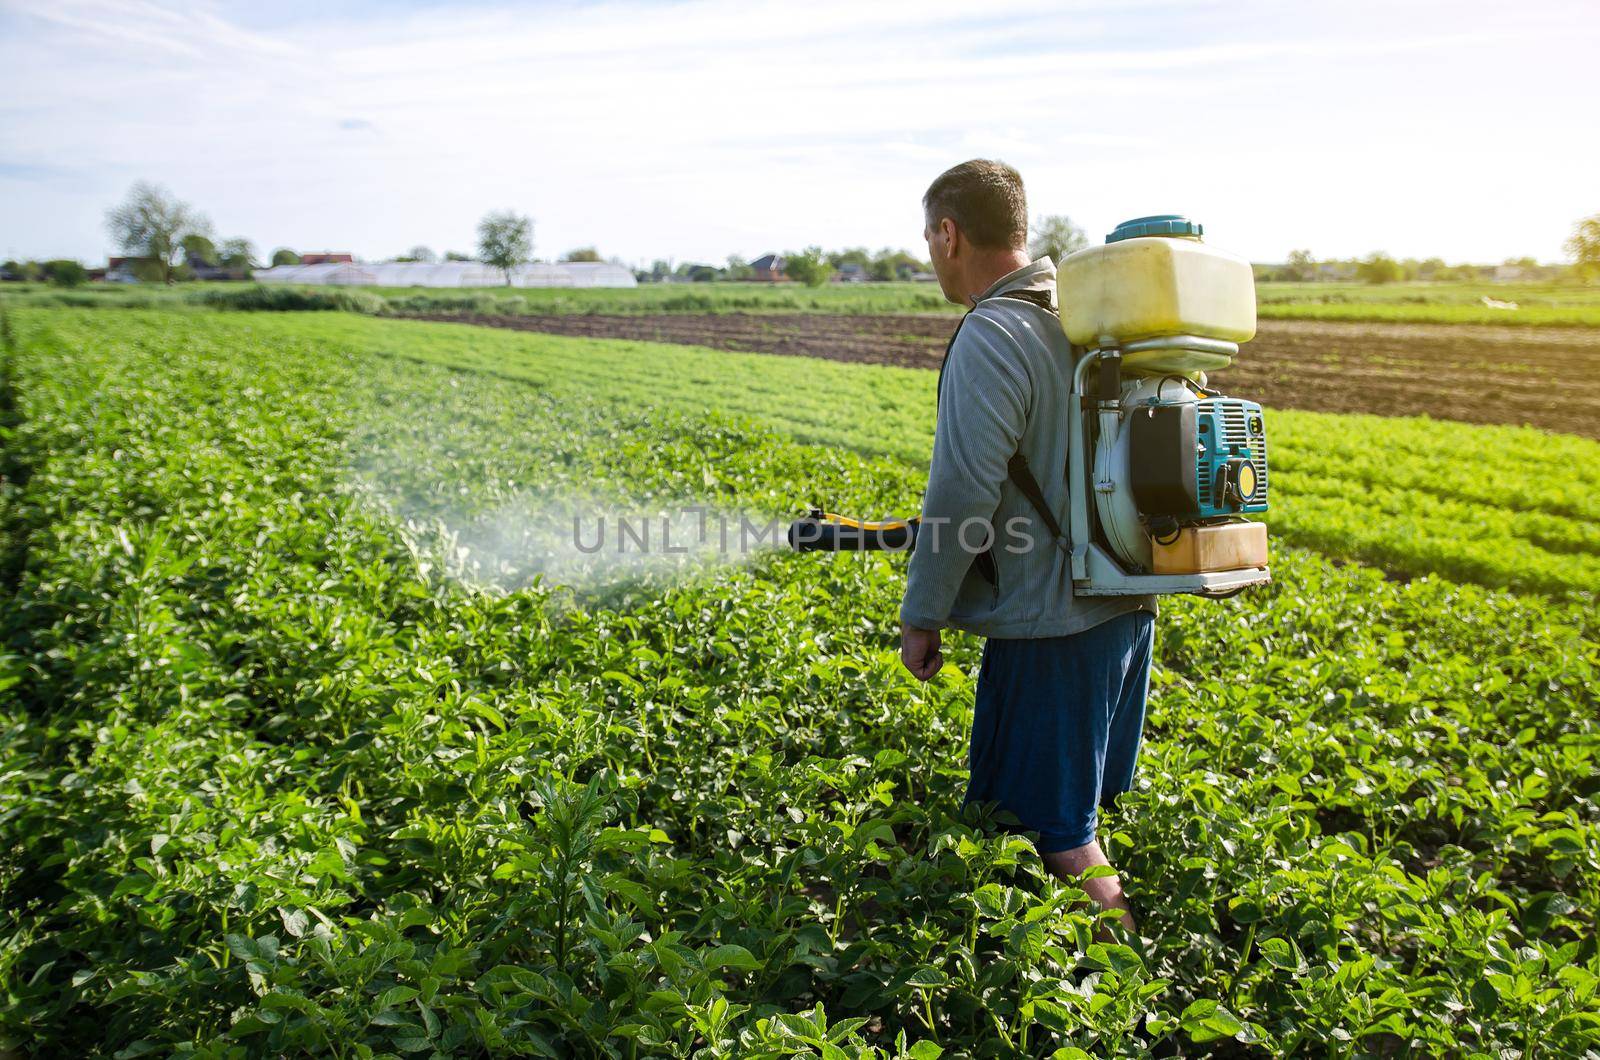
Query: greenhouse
x=451 y=274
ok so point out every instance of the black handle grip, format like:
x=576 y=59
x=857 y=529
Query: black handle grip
x=823 y=531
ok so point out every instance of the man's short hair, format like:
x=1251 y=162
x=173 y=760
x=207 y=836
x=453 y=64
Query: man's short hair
x=986 y=201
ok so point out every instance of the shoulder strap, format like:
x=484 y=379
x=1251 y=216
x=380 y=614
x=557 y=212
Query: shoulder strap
x=1021 y=476
x=1039 y=299
x=983 y=561
x=1017 y=470
x=1035 y=298
x=938 y=390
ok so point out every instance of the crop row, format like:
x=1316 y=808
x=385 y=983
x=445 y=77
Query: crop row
x=278 y=779
x=1561 y=305
x=651 y=298
x=1424 y=312
x=1502 y=506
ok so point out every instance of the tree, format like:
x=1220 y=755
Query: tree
x=150 y=223
x=1432 y=269
x=1055 y=235
x=808 y=267
x=149 y=270
x=199 y=250
x=895 y=265
x=284 y=256
x=738 y=268
x=422 y=254
x=237 y=254
x=456 y=255
x=696 y=272
x=582 y=254
x=1584 y=246
x=1300 y=267
x=1378 y=267
x=65 y=273
x=505 y=240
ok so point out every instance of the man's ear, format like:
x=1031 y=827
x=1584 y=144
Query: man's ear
x=952 y=237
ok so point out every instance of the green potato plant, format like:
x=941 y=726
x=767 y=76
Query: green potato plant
x=287 y=769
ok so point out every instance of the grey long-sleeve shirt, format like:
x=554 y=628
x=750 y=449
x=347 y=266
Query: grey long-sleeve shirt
x=1005 y=390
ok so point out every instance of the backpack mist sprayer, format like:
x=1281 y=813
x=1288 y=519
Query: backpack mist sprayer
x=1163 y=470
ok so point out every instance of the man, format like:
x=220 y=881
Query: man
x=1061 y=693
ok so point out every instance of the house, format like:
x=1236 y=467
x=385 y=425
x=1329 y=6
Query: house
x=851 y=272
x=768 y=268
x=129 y=270
x=1517 y=272
x=327 y=258
x=202 y=270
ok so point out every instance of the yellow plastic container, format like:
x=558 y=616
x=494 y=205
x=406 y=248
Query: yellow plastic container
x=1155 y=286
x=1199 y=549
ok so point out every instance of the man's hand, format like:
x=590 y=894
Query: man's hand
x=919 y=651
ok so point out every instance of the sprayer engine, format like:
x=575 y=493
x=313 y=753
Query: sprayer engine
x=1176 y=464
x=1196 y=460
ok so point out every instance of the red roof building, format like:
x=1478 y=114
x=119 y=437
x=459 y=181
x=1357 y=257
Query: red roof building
x=326 y=259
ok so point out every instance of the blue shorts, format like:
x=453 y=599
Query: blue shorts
x=1057 y=723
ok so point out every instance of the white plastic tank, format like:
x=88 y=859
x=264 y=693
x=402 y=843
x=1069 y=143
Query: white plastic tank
x=1155 y=278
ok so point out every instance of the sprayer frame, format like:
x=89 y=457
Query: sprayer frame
x=1095 y=571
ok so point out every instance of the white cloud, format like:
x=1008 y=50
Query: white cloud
x=696 y=128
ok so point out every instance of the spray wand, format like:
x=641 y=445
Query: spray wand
x=821 y=531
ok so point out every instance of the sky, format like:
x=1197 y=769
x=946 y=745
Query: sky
x=696 y=129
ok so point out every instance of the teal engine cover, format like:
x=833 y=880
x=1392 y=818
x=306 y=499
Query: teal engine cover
x=1199 y=460
x=1230 y=457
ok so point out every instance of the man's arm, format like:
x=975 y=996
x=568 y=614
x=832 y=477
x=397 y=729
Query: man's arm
x=982 y=413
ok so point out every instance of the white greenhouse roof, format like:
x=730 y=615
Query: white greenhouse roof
x=451 y=274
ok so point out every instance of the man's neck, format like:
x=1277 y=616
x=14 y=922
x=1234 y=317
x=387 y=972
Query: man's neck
x=991 y=268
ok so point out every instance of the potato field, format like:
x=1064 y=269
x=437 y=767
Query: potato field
x=1559 y=305
x=311 y=748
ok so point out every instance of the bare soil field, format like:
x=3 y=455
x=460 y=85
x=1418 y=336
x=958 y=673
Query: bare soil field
x=1544 y=377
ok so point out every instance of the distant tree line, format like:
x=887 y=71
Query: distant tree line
x=166 y=240
x=1378 y=267
x=62 y=272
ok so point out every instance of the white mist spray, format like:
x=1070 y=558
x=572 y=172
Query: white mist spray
x=588 y=545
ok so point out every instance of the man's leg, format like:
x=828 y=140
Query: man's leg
x=1105 y=890
x=1124 y=731
x=1048 y=714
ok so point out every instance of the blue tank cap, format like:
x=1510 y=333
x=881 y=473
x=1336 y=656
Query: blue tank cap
x=1157 y=224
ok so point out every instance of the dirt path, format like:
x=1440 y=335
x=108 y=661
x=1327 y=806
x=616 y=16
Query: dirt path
x=1546 y=377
